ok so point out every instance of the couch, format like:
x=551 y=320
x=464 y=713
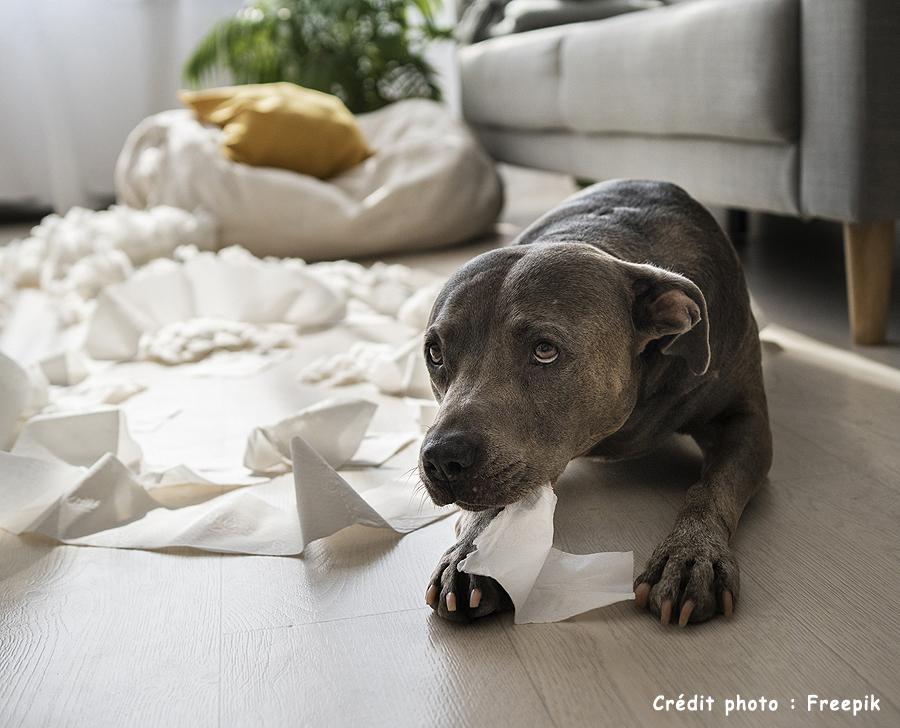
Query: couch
x=783 y=106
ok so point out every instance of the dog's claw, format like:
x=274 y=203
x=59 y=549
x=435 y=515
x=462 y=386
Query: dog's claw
x=641 y=593
x=727 y=603
x=691 y=576
x=462 y=597
x=685 y=615
x=475 y=598
x=665 y=611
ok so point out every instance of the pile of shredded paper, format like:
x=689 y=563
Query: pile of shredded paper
x=155 y=393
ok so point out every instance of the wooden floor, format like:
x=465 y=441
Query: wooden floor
x=341 y=636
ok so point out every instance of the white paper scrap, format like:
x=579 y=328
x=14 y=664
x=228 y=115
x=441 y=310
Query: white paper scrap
x=45 y=487
x=194 y=339
x=65 y=368
x=333 y=427
x=377 y=448
x=79 y=438
x=225 y=286
x=203 y=422
x=14 y=396
x=396 y=369
x=544 y=583
x=28 y=487
x=105 y=506
x=327 y=503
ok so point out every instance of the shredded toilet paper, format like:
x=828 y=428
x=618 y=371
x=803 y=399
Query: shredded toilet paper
x=194 y=339
x=544 y=583
x=76 y=255
x=78 y=478
x=23 y=393
x=207 y=286
x=156 y=394
x=14 y=396
x=65 y=368
x=338 y=429
x=60 y=252
x=80 y=439
x=397 y=370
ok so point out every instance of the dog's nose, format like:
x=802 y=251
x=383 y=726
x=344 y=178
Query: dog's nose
x=447 y=457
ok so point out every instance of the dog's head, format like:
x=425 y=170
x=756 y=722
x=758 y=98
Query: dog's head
x=535 y=354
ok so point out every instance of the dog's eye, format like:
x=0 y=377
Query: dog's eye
x=545 y=353
x=434 y=355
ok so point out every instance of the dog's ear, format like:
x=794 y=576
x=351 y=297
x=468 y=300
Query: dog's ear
x=670 y=309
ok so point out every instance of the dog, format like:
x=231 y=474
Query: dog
x=615 y=320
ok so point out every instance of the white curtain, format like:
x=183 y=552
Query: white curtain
x=77 y=76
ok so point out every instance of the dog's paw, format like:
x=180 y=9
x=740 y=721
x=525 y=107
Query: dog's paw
x=691 y=576
x=462 y=597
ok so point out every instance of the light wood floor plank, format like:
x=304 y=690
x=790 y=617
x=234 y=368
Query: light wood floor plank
x=844 y=417
x=358 y=572
x=393 y=670
x=100 y=637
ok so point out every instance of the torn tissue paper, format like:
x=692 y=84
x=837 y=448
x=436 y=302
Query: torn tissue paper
x=81 y=439
x=181 y=342
x=544 y=583
x=77 y=478
x=64 y=368
x=168 y=412
x=78 y=254
x=328 y=502
x=397 y=370
x=23 y=392
x=230 y=286
x=14 y=397
x=335 y=429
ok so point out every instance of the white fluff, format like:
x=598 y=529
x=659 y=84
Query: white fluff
x=84 y=250
x=192 y=340
x=397 y=370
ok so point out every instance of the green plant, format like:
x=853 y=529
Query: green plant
x=366 y=52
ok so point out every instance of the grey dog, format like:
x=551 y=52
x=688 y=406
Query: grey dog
x=618 y=318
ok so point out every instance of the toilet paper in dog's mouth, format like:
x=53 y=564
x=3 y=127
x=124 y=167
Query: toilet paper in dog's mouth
x=544 y=583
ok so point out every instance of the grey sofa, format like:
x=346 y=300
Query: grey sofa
x=785 y=106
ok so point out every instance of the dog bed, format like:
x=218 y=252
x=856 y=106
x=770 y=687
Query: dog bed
x=428 y=184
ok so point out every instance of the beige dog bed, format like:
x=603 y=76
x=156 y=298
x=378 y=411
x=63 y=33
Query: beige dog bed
x=429 y=184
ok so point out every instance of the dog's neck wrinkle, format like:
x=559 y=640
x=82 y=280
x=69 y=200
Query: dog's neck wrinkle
x=656 y=392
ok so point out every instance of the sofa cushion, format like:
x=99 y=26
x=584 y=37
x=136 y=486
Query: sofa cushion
x=715 y=68
x=513 y=81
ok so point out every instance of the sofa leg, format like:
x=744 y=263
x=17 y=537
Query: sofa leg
x=868 y=250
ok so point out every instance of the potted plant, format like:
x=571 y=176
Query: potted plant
x=369 y=53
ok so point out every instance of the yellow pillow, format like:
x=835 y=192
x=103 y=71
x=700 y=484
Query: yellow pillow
x=282 y=125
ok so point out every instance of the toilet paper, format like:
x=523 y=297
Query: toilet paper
x=544 y=583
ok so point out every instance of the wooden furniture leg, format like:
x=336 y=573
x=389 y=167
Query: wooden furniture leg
x=868 y=250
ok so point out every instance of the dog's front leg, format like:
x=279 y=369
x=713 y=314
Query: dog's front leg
x=693 y=574
x=458 y=596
